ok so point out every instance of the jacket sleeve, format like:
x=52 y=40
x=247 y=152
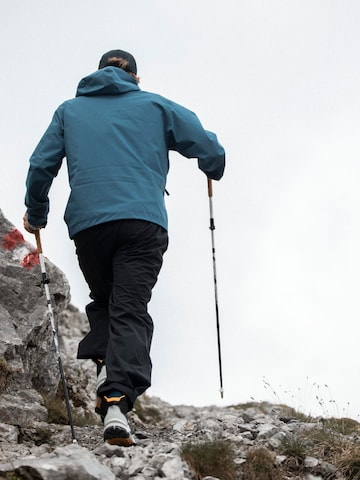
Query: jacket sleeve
x=187 y=136
x=45 y=163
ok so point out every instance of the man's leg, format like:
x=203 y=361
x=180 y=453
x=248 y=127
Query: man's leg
x=136 y=265
x=94 y=251
x=120 y=262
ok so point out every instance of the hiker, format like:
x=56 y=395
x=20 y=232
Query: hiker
x=116 y=139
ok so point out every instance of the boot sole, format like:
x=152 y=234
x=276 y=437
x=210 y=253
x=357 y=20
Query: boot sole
x=118 y=436
x=121 y=442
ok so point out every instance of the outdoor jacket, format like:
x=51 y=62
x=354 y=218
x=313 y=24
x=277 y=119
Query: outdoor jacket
x=116 y=140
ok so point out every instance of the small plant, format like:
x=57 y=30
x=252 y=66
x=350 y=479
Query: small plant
x=211 y=458
x=294 y=447
x=11 y=476
x=4 y=375
x=260 y=465
x=56 y=409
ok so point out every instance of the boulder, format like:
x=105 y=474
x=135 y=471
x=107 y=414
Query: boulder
x=64 y=463
x=27 y=355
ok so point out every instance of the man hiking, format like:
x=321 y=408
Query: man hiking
x=116 y=139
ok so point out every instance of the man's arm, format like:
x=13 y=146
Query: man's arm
x=45 y=163
x=188 y=137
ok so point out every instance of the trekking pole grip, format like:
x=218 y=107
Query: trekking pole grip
x=210 y=191
x=38 y=241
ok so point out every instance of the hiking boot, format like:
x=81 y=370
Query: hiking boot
x=116 y=426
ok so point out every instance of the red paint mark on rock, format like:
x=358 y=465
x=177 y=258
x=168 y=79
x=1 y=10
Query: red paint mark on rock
x=30 y=260
x=12 y=240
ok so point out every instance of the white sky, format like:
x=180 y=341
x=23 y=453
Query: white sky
x=278 y=83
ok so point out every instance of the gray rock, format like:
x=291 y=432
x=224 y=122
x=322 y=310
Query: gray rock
x=27 y=354
x=173 y=469
x=25 y=410
x=311 y=462
x=138 y=462
x=64 y=463
x=9 y=433
x=266 y=430
x=180 y=426
x=32 y=448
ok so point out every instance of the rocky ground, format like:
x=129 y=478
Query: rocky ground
x=163 y=432
x=249 y=442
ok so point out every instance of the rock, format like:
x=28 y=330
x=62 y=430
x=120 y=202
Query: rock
x=311 y=462
x=64 y=463
x=27 y=409
x=27 y=357
x=267 y=430
x=30 y=447
x=9 y=433
x=180 y=426
x=276 y=440
x=138 y=462
x=173 y=468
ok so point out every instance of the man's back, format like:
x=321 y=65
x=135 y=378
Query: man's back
x=116 y=139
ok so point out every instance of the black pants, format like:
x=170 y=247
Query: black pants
x=121 y=261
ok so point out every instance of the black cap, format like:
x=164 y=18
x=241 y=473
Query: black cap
x=131 y=67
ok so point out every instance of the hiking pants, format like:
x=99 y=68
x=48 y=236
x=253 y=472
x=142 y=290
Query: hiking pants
x=120 y=261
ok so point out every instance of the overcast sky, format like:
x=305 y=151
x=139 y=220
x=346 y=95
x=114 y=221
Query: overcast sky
x=278 y=82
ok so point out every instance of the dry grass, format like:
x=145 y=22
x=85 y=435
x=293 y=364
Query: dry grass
x=261 y=406
x=210 y=458
x=348 y=462
x=343 y=426
x=260 y=465
x=334 y=441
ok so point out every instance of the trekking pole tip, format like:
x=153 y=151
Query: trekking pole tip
x=222 y=392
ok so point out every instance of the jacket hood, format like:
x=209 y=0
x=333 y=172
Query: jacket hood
x=107 y=81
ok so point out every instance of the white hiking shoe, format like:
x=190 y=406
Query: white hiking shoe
x=113 y=415
x=116 y=427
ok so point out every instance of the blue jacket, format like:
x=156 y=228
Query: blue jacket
x=116 y=140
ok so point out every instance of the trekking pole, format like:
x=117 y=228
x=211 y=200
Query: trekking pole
x=212 y=228
x=45 y=282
